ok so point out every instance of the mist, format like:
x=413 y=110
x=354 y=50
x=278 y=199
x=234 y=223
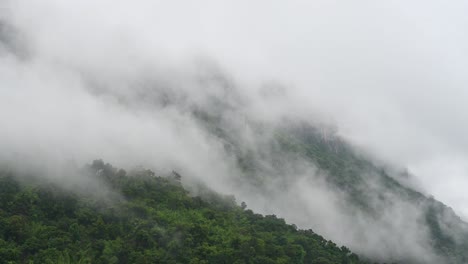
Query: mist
x=119 y=81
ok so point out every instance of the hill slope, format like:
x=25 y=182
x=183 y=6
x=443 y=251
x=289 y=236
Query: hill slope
x=393 y=221
x=145 y=219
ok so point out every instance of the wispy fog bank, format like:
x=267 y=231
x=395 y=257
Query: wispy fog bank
x=121 y=81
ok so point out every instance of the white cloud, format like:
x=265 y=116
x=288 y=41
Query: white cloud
x=390 y=75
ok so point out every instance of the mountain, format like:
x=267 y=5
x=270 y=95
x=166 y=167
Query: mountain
x=305 y=172
x=392 y=221
x=373 y=189
x=144 y=218
x=271 y=155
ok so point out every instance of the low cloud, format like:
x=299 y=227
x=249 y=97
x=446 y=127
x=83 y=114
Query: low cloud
x=120 y=81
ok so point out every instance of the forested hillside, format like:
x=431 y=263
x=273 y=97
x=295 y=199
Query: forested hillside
x=372 y=189
x=145 y=218
x=395 y=214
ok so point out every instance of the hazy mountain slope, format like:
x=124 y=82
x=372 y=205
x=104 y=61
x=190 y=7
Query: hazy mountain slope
x=301 y=170
x=147 y=219
x=411 y=227
x=352 y=173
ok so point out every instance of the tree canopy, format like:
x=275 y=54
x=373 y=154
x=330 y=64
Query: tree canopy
x=155 y=220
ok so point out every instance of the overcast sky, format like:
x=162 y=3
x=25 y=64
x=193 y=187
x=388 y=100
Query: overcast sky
x=390 y=74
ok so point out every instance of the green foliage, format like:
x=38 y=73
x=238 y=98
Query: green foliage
x=157 y=221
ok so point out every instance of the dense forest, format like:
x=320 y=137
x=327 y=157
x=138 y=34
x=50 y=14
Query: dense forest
x=145 y=218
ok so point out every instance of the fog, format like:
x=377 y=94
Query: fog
x=81 y=80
